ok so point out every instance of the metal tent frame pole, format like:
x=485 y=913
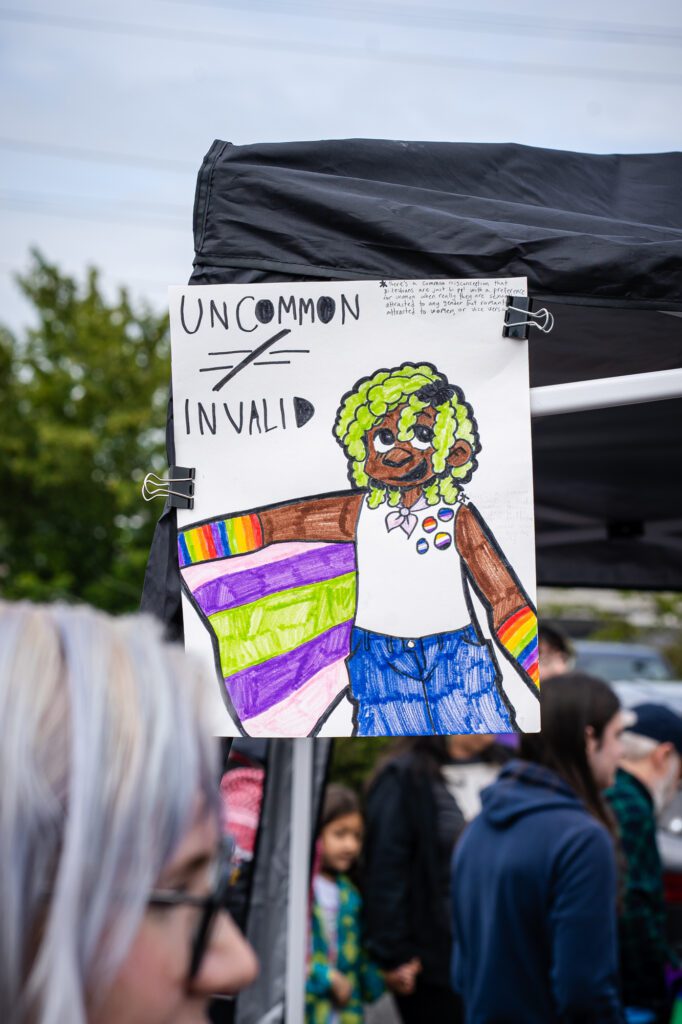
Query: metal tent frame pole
x=604 y=392
x=299 y=860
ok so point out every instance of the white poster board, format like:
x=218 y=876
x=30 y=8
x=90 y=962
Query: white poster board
x=360 y=555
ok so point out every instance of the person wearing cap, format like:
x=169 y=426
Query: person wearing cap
x=646 y=781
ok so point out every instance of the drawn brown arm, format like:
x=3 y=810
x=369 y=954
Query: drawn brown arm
x=332 y=519
x=313 y=519
x=512 y=615
x=492 y=577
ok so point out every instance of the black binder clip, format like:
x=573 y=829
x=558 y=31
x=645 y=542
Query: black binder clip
x=177 y=487
x=519 y=316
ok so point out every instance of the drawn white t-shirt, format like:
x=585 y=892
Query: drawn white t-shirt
x=409 y=580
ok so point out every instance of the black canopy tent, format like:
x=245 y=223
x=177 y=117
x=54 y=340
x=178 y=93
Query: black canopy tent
x=599 y=239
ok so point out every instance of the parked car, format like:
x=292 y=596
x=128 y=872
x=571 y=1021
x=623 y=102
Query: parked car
x=638 y=673
x=618 y=662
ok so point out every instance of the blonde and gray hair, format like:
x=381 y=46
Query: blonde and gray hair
x=105 y=753
x=637 y=747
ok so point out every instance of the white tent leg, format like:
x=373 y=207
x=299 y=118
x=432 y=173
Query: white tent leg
x=299 y=862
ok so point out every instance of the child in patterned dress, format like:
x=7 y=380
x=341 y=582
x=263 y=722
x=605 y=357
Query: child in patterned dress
x=340 y=977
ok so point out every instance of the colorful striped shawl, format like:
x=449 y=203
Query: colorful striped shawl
x=281 y=619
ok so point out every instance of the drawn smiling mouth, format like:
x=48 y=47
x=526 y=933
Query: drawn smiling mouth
x=415 y=474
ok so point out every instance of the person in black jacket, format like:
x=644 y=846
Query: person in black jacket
x=412 y=824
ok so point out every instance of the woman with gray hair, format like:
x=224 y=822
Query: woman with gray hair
x=112 y=878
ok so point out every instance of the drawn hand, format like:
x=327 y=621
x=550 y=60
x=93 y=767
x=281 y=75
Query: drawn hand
x=342 y=988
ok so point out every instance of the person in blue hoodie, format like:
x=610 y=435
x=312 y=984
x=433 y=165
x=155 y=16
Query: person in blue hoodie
x=534 y=879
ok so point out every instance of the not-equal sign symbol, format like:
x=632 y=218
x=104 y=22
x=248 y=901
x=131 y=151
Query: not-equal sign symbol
x=252 y=356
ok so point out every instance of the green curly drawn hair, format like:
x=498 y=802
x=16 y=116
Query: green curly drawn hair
x=417 y=387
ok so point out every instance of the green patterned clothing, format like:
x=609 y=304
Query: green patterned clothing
x=644 y=949
x=351 y=960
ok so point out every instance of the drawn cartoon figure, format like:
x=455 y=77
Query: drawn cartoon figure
x=367 y=591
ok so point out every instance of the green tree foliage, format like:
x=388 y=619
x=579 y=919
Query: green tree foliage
x=644 y=617
x=353 y=760
x=669 y=610
x=82 y=415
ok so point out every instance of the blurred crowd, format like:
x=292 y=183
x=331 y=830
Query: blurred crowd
x=474 y=880
x=513 y=884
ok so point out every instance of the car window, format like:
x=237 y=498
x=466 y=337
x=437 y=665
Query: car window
x=622 y=666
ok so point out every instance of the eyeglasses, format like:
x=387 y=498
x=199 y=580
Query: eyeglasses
x=209 y=905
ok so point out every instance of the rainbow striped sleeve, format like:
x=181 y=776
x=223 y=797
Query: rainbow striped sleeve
x=219 y=539
x=519 y=635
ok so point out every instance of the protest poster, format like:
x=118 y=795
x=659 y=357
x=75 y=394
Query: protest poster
x=360 y=555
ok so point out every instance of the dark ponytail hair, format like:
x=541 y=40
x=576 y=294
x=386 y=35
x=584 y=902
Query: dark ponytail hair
x=338 y=802
x=568 y=704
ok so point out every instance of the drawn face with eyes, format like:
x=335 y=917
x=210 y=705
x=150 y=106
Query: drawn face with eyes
x=407 y=464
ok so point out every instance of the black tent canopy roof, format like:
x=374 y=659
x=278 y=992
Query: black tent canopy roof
x=592 y=228
x=599 y=239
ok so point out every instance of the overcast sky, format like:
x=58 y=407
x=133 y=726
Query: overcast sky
x=108 y=109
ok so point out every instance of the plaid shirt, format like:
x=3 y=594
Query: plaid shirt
x=642 y=926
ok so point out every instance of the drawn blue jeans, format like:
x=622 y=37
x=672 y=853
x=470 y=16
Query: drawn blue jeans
x=441 y=684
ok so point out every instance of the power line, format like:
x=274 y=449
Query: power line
x=427 y=16
x=110 y=278
x=329 y=50
x=168 y=209
x=97 y=155
x=63 y=206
